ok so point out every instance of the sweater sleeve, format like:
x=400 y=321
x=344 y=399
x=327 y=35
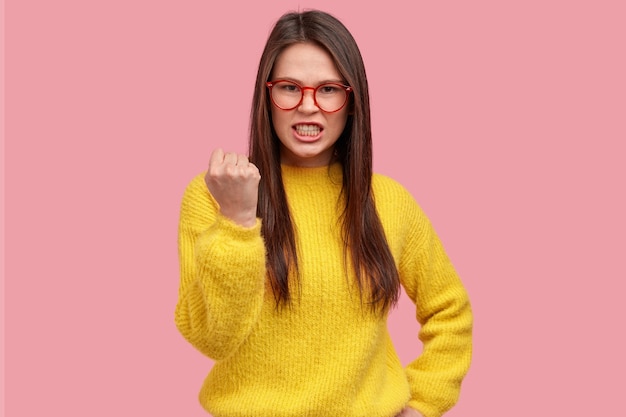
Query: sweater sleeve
x=444 y=313
x=222 y=275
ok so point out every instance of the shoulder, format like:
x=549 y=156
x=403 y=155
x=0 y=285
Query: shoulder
x=394 y=202
x=387 y=190
x=403 y=220
x=383 y=180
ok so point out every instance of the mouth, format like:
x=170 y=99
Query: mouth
x=308 y=129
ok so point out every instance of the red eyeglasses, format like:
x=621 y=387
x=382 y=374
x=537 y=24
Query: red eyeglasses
x=329 y=97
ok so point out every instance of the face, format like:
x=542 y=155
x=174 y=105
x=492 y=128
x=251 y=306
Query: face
x=307 y=134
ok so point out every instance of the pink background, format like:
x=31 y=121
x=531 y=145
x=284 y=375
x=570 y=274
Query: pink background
x=506 y=120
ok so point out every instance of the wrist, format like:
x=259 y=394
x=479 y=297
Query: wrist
x=241 y=218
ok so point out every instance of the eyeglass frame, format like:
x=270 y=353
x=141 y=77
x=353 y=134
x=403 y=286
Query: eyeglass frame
x=347 y=89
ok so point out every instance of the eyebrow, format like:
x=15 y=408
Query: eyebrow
x=330 y=80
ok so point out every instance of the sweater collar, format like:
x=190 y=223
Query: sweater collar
x=315 y=175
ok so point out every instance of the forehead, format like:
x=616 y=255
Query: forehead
x=307 y=63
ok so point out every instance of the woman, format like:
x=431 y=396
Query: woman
x=292 y=258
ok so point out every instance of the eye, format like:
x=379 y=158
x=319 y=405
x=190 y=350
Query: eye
x=329 y=89
x=287 y=87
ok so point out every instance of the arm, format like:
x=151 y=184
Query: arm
x=222 y=267
x=444 y=312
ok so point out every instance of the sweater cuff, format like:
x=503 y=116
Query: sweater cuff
x=229 y=249
x=237 y=231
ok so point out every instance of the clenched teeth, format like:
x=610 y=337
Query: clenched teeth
x=308 y=130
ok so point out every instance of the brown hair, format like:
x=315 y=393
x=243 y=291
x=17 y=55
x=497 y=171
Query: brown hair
x=364 y=238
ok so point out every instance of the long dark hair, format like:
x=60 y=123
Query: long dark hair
x=364 y=238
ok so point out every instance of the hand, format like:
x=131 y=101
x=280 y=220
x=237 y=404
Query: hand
x=409 y=412
x=234 y=183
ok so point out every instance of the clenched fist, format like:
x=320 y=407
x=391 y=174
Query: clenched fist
x=234 y=183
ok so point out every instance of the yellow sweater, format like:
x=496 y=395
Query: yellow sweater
x=326 y=355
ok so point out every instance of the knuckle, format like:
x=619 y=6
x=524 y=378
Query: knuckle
x=213 y=171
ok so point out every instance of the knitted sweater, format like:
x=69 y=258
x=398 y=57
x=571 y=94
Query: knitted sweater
x=325 y=354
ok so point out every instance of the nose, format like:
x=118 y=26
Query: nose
x=308 y=101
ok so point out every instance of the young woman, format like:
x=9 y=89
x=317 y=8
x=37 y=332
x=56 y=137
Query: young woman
x=291 y=258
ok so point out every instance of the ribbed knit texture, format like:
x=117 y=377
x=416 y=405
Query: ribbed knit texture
x=326 y=354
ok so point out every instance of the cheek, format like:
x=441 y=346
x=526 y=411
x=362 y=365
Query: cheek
x=339 y=122
x=278 y=120
x=280 y=125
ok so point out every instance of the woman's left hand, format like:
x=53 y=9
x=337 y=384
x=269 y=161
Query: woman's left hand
x=409 y=412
